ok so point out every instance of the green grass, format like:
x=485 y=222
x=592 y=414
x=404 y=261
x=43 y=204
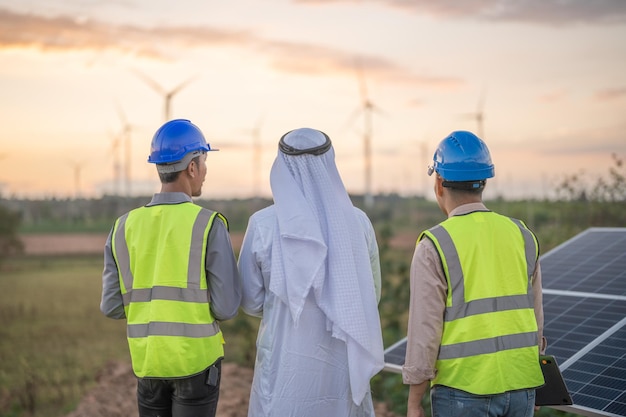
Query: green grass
x=53 y=337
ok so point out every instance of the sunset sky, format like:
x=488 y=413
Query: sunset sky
x=548 y=77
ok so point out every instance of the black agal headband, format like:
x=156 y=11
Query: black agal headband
x=290 y=150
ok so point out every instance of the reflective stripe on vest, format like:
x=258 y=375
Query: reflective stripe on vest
x=477 y=339
x=146 y=333
x=203 y=220
x=460 y=308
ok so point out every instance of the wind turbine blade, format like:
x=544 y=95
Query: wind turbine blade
x=378 y=110
x=469 y=115
x=153 y=84
x=353 y=116
x=183 y=85
x=362 y=84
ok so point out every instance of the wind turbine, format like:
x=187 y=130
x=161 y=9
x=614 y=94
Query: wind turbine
x=367 y=108
x=479 y=114
x=125 y=138
x=117 y=165
x=257 y=149
x=77 y=168
x=423 y=145
x=168 y=95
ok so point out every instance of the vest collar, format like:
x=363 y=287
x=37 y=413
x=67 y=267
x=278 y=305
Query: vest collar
x=169 y=198
x=467 y=208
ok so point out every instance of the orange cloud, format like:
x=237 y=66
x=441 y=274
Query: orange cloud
x=543 y=12
x=64 y=33
x=553 y=96
x=596 y=141
x=318 y=60
x=610 y=94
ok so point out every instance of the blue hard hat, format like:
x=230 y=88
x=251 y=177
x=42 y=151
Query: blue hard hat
x=174 y=140
x=462 y=156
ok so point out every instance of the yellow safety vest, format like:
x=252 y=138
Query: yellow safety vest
x=160 y=253
x=489 y=343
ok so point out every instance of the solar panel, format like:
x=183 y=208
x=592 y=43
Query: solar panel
x=584 y=287
x=593 y=261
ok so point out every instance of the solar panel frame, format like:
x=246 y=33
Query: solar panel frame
x=585 y=322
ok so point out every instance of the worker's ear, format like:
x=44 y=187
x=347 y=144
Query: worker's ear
x=439 y=186
x=192 y=169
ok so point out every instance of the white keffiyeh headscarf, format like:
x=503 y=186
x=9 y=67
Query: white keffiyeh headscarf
x=320 y=246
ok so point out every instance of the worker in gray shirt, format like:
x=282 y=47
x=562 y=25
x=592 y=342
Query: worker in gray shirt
x=170 y=271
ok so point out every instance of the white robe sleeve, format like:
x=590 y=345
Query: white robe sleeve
x=251 y=272
x=372 y=247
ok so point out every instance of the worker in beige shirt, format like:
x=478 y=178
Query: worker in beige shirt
x=449 y=348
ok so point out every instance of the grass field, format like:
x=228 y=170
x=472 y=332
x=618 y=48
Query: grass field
x=53 y=338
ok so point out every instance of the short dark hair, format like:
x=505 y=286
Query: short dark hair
x=169 y=177
x=466 y=188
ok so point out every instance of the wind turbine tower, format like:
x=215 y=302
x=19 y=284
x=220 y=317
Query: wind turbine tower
x=125 y=138
x=117 y=165
x=423 y=145
x=256 y=160
x=77 y=168
x=479 y=115
x=367 y=107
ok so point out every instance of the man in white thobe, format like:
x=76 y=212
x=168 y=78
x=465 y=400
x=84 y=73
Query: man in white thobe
x=310 y=269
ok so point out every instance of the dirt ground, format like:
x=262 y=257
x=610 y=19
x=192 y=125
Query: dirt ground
x=93 y=243
x=114 y=395
x=78 y=243
x=63 y=244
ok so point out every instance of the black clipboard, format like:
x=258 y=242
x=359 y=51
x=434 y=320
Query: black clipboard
x=554 y=391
